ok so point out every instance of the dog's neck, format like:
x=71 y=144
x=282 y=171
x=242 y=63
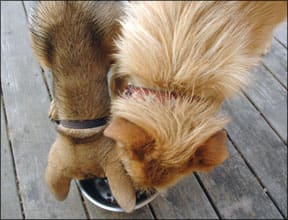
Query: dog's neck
x=81 y=99
x=82 y=108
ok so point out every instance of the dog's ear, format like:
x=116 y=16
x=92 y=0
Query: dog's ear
x=210 y=154
x=117 y=83
x=126 y=132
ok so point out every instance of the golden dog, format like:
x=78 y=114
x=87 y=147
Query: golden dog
x=176 y=62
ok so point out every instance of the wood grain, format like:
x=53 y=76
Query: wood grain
x=31 y=132
x=270 y=98
x=281 y=33
x=261 y=147
x=276 y=61
x=47 y=75
x=98 y=213
x=185 y=200
x=236 y=192
x=10 y=202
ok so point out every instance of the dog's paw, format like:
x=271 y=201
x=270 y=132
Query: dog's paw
x=52 y=114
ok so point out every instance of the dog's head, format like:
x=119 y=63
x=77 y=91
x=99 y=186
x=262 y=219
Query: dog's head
x=160 y=141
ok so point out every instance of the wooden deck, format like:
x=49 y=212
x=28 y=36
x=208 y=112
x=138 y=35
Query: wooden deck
x=252 y=183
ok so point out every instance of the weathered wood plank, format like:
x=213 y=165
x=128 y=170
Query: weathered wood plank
x=270 y=98
x=262 y=148
x=29 y=5
x=281 y=33
x=98 y=213
x=185 y=200
x=27 y=104
x=236 y=192
x=10 y=205
x=276 y=61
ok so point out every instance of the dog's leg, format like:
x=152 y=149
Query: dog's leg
x=58 y=184
x=121 y=186
x=52 y=114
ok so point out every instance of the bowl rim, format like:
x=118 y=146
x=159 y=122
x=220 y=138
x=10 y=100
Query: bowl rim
x=114 y=209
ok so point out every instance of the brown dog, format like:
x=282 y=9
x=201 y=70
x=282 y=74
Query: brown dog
x=182 y=60
x=74 y=40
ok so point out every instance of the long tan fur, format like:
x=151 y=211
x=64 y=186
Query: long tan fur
x=202 y=49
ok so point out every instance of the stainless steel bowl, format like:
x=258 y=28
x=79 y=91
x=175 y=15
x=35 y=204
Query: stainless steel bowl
x=97 y=191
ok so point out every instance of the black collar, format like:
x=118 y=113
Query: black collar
x=83 y=124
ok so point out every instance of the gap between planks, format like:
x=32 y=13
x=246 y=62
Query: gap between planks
x=42 y=70
x=198 y=178
x=152 y=211
x=264 y=117
x=12 y=155
x=282 y=31
x=280 y=42
x=273 y=75
x=269 y=70
x=83 y=202
x=242 y=156
x=46 y=83
x=256 y=176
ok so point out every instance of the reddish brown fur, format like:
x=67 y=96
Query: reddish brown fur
x=149 y=171
x=193 y=48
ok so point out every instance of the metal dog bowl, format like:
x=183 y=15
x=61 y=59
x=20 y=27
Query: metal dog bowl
x=98 y=192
